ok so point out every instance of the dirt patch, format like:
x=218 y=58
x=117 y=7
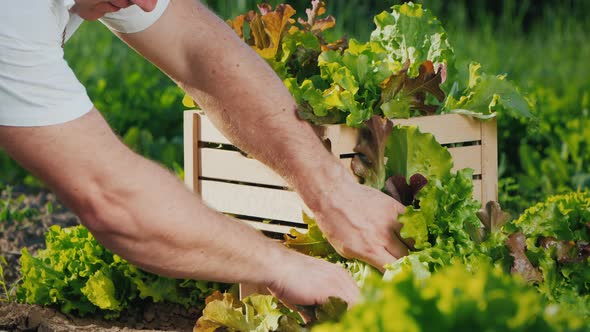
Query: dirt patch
x=22 y=317
x=30 y=214
x=24 y=222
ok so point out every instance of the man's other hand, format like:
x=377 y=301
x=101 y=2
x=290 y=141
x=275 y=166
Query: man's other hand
x=361 y=222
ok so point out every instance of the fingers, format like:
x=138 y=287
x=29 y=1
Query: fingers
x=387 y=254
x=381 y=258
x=350 y=292
x=344 y=285
x=320 y=281
x=397 y=247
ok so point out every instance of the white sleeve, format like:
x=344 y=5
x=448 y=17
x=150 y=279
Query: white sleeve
x=132 y=19
x=37 y=87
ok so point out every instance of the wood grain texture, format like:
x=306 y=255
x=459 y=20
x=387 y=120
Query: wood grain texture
x=259 y=202
x=446 y=128
x=489 y=161
x=191 y=138
x=477 y=190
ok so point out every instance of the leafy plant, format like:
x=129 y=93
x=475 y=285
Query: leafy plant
x=454 y=299
x=262 y=313
x=402 y=94
x=311 y=243
x=79 y=275
x=290 y=46
x=487 y=94
x=7 y=296
x=412 y=35
x=404 y=192
x=369 y=163
x=550 y=243
x=15 y=209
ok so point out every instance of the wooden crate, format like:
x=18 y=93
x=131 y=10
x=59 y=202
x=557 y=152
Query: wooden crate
x=232 y=183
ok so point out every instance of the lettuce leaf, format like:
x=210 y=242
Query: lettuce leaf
x=447 y=210
x=411 y=34
x=263 y=313
x=402 y=94
x=369 y=164
x=409 y=151
x=312 y=243
x=488 y=94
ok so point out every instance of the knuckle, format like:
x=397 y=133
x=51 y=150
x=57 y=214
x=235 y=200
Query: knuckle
x=347 y=250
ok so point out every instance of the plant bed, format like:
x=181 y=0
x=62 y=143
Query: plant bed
x=27 y=214
x=161 y=317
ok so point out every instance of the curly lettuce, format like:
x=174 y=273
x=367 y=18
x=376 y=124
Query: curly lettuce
x=79 y=275
x=454 y=299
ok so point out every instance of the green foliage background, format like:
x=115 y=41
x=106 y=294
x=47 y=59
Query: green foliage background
x=540 y=45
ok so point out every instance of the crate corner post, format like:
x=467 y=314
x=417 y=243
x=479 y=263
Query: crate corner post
x=489 y=160
x=191 y=124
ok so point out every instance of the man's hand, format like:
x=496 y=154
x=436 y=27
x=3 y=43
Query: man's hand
x=305 y=280
x=361 y=222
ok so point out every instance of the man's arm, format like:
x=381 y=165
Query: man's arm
x=251 y=106
x=143 y=213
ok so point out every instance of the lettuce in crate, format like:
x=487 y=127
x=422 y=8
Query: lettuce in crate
x=396 y=74
x=441 y=221
x=290 y=45
x=79 y=275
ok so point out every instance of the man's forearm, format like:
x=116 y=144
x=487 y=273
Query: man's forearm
x=168 y=230
x=248 y=102
x=137 y=209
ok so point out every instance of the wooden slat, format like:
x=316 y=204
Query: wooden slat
x=343 y=139
x=233 y=166
x=446 y=128
x=489 y=163
x=191 y=151
x=477 y=190
x=266 y=203
x=467 y=157
x=252 y=201
x=209 y=132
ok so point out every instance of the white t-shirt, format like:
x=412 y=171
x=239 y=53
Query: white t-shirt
x=37 y=87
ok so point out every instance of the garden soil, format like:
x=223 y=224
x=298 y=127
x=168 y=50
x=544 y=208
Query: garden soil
x=29 y=233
